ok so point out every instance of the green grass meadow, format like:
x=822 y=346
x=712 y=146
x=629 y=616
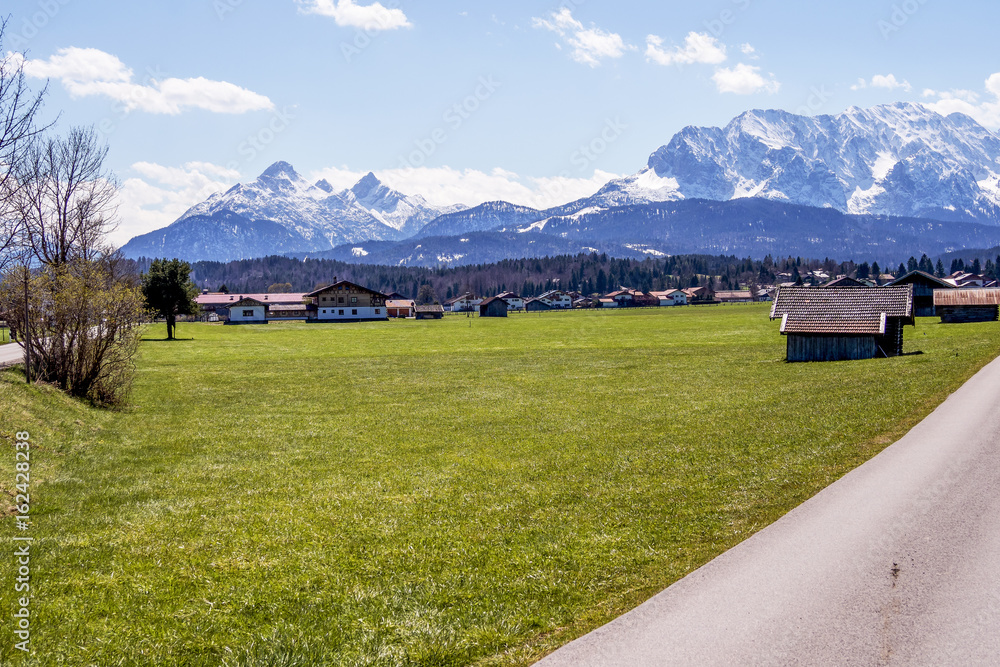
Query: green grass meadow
x=462 y=491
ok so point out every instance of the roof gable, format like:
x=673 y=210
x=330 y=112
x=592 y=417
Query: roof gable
x=343 y=284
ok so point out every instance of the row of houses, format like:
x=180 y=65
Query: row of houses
x=341 y=301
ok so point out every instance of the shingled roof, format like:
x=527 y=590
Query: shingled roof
x=967 y=297
x=841 y=310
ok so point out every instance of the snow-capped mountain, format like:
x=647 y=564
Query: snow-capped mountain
x=899 y=159
x=314 y=211
x=480 y=218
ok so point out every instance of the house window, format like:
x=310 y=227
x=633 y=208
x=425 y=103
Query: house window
x=341 y=312
x=324 y=311
x=324 y=298
x=378 y=311
x=247 y=313
x=340 y=300
x=354 y=311
x=354 y=300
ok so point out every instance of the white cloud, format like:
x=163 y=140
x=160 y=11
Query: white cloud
x=887 y=81
x=443 y=185
x=743 y=79
x=346 y=13
x=698 y=48
x=986 y=112
x=749 y=51
x=590 y=45
x=159 y=195
x=87 y=72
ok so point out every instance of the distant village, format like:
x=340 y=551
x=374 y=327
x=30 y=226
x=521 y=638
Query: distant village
x=831 y=319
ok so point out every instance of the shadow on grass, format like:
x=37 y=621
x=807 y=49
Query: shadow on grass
x=164 y=340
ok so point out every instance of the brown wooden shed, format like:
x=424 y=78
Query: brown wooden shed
x=967 y=305
x=839 y=323
x=924 y=285
x=493 y=307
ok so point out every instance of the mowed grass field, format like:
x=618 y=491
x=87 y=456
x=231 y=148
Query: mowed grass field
x=464 y=491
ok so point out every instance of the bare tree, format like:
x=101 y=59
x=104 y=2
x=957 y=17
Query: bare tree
x=18 y=109
x=65 y=200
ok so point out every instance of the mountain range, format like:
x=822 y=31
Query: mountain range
x=880 y=183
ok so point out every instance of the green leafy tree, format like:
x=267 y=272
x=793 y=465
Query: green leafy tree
x=169 y=292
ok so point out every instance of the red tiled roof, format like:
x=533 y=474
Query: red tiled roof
x=219 y=299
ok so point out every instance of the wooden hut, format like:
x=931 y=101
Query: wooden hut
x=434 y=311
x=493 y=307
x=924 y=285
x=532 y=305
x=967 y=305
x=838 y=323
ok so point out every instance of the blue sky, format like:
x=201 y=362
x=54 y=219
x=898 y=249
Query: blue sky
x=463 y=101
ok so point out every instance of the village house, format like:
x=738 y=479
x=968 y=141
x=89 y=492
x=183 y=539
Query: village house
x=605 y=302
x=626 y=298
x=493 y=307
x=924 y=287
x=345 y=301
x=841 y=323
x=247 y=310
x=464 y=303
x=557 y=299
x=218 y=303
x=963 y=279
x=514 y=302
x=696 y=295
x=433 y=311
x=844 y=281
x=674 y=297
x=967 y=305
x=400 y=307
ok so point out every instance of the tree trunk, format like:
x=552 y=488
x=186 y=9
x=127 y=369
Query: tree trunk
x=171 y=325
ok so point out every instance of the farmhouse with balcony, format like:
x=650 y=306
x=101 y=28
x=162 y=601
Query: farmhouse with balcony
x=841 y=323
x=557 y=299
x=674 y=297
x=345 y=301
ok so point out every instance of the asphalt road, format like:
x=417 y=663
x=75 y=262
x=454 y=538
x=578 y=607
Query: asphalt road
x=897 y=563
x=11 y=353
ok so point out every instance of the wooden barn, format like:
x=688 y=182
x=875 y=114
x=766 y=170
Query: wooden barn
x=924 y=285
x=967 y=305
x=493 y=307
x=839 y=323
x=434 y=311
x=532 y=305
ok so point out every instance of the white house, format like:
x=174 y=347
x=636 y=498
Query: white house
x=347 y=302
x=514 y=302
x=674 y=297
x=462 y=304
x=247 y=310
x=557 y=299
